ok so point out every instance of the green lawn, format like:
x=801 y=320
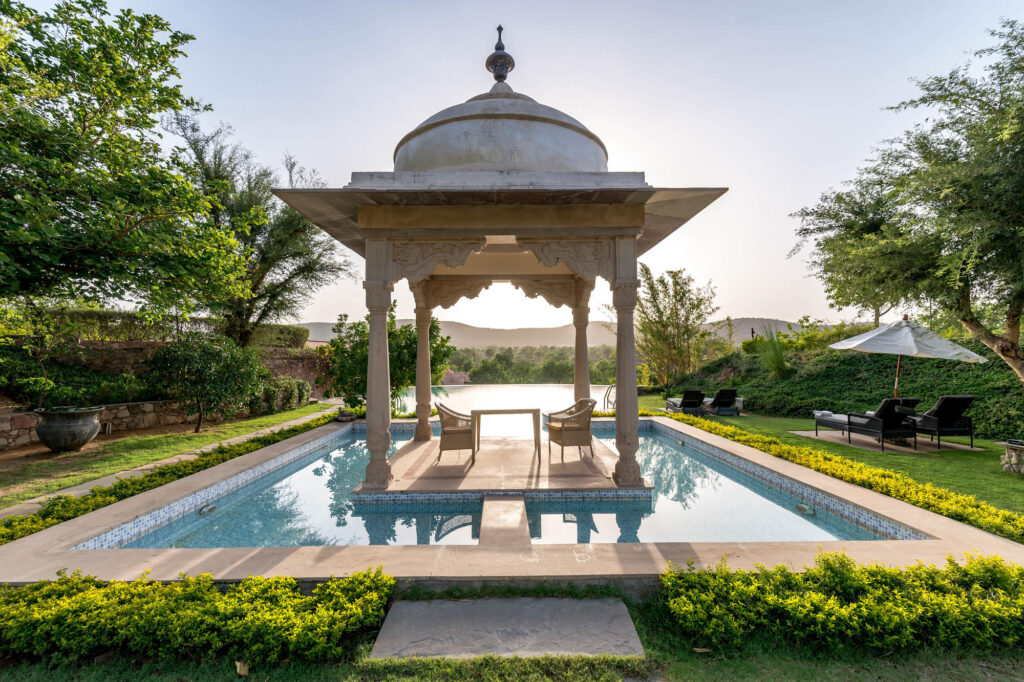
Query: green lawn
x=972 y=473
x=62 y=471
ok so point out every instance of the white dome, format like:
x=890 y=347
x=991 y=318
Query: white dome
x=501 y=131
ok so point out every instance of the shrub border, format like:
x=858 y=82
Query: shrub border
x=957 y=506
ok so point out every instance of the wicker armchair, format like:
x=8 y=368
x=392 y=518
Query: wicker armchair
x=572 y=427
x=456 y=431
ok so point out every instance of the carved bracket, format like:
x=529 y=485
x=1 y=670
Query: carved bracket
x=415 y=260
x=587 y=258
x=445 y=292
x=557 y=292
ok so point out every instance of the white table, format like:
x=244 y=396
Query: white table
x=476 y=414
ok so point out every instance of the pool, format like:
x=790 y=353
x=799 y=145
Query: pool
x=547 y=397
x=696 y=497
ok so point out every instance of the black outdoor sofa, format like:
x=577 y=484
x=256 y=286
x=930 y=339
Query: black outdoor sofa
x=946 y=418
x=723 y=404
x=691 y=402
x=891 y=420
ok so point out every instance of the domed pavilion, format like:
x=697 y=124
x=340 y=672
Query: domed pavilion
x=499 y=188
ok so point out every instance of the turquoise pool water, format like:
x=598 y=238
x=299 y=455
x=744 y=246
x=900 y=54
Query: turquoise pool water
x=696 y=498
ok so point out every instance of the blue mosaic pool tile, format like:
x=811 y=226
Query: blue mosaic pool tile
x=830 y=503
x=126 y=532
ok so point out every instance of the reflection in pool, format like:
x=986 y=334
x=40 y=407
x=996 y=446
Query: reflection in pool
x=696 y=499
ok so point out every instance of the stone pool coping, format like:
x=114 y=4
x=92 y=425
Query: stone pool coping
x=42 y=554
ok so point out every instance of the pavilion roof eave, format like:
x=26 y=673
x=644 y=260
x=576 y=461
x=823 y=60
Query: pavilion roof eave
x=334 y=210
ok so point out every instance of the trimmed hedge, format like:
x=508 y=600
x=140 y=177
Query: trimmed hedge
x=64 y=507
x=964 y=508
x=259 y=620
x=837 y=605
x=65 y=384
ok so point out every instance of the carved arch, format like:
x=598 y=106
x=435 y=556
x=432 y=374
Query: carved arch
x=415 y=260
x=587 y=258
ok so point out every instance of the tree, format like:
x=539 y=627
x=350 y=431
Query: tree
x=670 y=316
x=286 y=257
x=89 y=205
x=958 y=179
x=349 y=350
x=207 y=376
x=839 y=224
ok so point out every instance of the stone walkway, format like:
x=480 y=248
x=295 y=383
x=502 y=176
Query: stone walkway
x=507 y=627
x=33 y=505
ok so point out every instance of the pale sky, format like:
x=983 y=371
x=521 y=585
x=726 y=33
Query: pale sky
x=778 y=101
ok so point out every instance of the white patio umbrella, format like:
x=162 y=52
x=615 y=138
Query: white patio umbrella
x=904 y=337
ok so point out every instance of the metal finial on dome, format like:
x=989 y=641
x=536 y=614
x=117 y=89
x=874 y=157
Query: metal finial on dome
x=500 y=62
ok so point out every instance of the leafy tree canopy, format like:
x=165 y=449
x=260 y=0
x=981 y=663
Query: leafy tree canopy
x=89 y=204
x=672 y=312
x=207 y=376
x=348 y=355
x=286 y=257
x=956 y=240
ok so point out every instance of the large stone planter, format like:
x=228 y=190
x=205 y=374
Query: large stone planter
x=1013 y=458
x=68 y=429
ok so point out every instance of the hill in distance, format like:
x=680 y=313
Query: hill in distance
x=598 y=333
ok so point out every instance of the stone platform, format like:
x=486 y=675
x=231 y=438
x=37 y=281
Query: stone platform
x=502 y=464
x=507 y=627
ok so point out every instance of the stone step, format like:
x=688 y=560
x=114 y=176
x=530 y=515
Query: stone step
x=522 y=626
x=503 y=521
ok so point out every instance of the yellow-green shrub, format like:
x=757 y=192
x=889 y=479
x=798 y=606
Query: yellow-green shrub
x=964 y=508
x=260 y=620
x=837 y=604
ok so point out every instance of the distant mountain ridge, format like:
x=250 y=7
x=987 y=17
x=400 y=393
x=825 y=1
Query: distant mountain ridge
x=598 y=333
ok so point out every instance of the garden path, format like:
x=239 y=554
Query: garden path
x=33 y=505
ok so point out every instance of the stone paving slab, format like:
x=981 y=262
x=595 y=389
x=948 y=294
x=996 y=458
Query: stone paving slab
x=507 y=627
x=35 y=504
x=503 y=521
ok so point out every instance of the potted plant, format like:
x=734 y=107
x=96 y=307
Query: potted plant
x=66 y=428
x=53 y=333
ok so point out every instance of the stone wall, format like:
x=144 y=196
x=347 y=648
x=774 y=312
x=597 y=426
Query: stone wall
x=19 y=428
x=129 y=357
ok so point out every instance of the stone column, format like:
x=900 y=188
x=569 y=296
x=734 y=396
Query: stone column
x=422 y=373
x=627 y=422
x=378 y=385
x=581 y=375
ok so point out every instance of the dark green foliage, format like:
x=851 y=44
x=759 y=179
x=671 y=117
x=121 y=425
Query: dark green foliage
x=207 y=376
x=90 y=205
x=279 y=394
x=837 y=605
x=280 y=336
x=63 y=507
x=848 y=381
x=131 y=325
x=349 y=351
x=260 y=620
x=286 y=258
x=531 y=364
x=68 y=384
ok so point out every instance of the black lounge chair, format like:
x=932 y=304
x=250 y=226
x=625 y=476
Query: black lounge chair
x=723 y=404
x=890 y=420
x=691 y=402
x=946 y=418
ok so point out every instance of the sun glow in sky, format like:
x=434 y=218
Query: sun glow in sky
x=778 y=101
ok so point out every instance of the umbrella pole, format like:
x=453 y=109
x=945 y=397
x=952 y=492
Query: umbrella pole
x=896 y=386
